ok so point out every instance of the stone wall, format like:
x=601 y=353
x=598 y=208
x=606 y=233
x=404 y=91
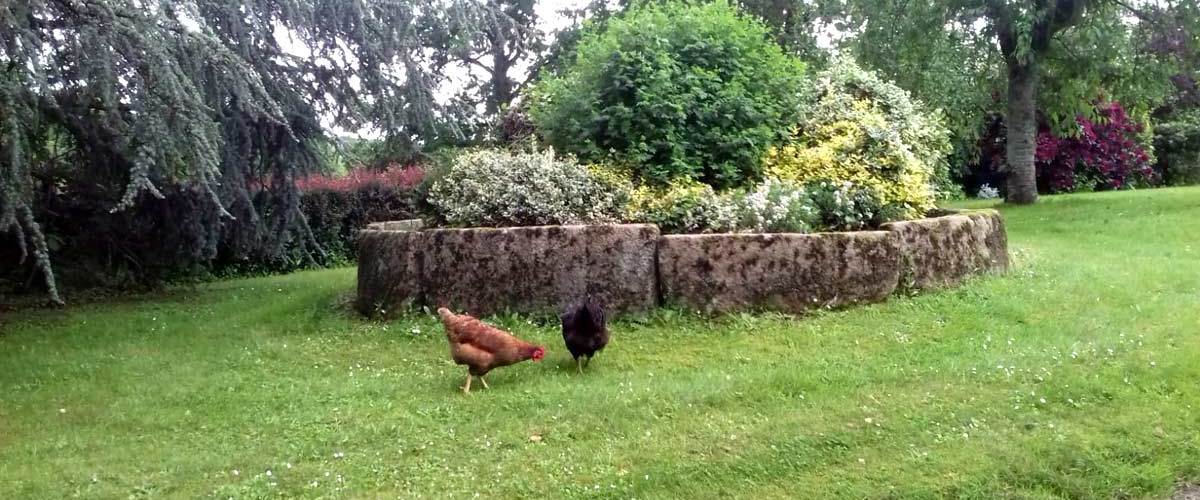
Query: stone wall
x=523 y=269
x=540 y=269
x=942 y=251
x=631 y=268
x=784 y=272
x=389 y=271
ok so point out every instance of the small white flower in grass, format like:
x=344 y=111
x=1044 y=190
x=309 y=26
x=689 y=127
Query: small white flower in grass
x=862 y=460
x=339 y=455
x=268 y=472
x=1152 y=363
x=62 y=410
x=236 y=473
x=1042 y=400
x=289 y=465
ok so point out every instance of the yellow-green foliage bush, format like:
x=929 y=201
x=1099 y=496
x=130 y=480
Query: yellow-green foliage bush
x=867 y=131
x=683 y=206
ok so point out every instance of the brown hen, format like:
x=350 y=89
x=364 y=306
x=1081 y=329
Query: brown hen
x=483 y=347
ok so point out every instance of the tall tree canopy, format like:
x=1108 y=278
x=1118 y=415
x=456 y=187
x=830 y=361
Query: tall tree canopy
x=217 y=101
x=509 y=38
x=1016 y=57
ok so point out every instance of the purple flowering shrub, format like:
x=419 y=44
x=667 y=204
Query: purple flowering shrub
x=1104 y=155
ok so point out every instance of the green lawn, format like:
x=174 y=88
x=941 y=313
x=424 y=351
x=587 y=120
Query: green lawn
x=1073 y=376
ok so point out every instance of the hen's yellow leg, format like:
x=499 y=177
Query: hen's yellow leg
x=485 y=386
x=467 y=388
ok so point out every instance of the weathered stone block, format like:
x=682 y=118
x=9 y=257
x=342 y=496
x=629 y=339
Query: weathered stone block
x=397 y=225
x=783 y=272
x=942 y=251
x=389 y=271
x=630 y=267
x=404 y=225
x=540 y=269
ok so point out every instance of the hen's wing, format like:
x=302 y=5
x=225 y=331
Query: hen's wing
x=488 y=337
x=595 y=313
x=478 y=359
x=584 y=330
x=480 y=345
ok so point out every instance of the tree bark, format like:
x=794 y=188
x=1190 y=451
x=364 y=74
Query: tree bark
x=1022 y=132
x=502 y=85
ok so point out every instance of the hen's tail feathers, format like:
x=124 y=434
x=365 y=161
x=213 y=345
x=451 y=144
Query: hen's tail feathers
x=586 y=314
x=595 y=313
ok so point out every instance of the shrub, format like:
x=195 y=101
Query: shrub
x=515 y=128
x=673 y=91
x=1104 y=155
x=777 y=207
x=773 y=206
x=335 y=215
x=987 y=192
x=844 y=206
x=683 y=206
x=1177 y=145
x=861 y=129
x=395 y=175
x=502 y=188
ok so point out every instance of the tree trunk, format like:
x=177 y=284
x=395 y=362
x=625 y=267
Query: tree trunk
x=1022 y=132
x=501 y=84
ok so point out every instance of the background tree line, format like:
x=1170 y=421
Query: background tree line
x=150 y=141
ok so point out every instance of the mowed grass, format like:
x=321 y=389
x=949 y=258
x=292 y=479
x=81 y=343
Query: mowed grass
x=1076 y=375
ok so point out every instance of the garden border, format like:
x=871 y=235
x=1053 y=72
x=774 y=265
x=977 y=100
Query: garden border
x=631 y=267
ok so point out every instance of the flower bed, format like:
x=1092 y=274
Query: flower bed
x=539 y=269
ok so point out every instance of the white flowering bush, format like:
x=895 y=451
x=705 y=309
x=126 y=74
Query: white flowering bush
x=772 y=206
x=846 y=206
x=777 y=207
x=501 y=188
x=987 y=192
x=684 y=206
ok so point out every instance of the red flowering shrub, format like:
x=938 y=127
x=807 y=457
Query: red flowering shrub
x=338 y=207
x=1105 y=155
x=397 y=176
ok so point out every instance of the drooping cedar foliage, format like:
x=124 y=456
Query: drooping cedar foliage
x=150 y=121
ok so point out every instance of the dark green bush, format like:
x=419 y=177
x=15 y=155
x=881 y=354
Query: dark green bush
x=336 y=216
x=158 y=240
x=1177 y=146
x=673 y=91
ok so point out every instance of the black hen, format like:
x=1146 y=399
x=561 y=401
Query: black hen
x=584 y=330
